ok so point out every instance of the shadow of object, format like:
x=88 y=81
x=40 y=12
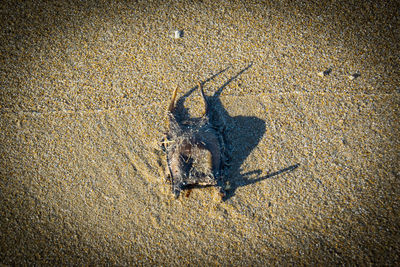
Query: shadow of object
x=182 y=113
x=242 y=180
x=241 y=135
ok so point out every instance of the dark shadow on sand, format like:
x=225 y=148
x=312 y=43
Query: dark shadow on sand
x=241 y=135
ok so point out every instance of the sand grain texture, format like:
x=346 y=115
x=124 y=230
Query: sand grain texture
x=314 y=175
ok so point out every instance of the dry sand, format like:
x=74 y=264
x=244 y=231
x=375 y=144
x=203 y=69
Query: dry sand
x=83 y=91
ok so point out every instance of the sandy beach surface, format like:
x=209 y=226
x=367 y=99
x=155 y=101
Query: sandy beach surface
x=310 y=94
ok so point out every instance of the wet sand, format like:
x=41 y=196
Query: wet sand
x=314 y=175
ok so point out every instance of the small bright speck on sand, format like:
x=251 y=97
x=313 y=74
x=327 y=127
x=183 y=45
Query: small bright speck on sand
x=178 y=34
x=354 y=76
x=325 y=72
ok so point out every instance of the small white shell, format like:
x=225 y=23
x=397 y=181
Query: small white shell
x=178 y=34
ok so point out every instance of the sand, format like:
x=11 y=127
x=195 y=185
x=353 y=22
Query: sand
x=314 y=175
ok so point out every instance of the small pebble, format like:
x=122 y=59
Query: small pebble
x=354 y=76
x=325 y=72
x=178 y=34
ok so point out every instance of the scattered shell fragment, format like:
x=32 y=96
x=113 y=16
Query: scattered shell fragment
x=178 y=34
x=354 y=76
x=325 y=72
